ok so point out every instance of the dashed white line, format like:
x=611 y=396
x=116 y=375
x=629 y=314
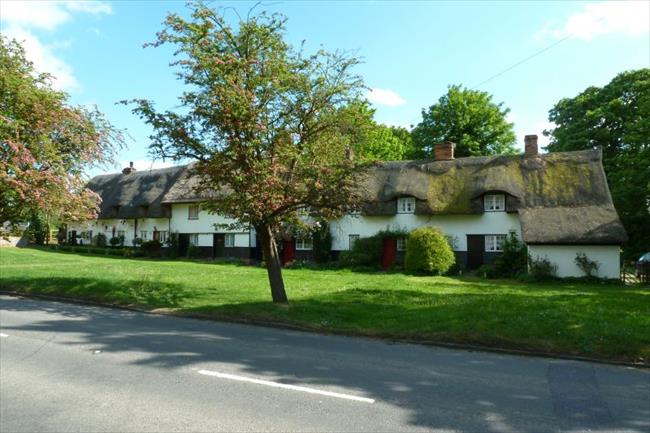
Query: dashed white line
x=285 y=386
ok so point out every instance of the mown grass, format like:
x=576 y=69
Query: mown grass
x=604 y=321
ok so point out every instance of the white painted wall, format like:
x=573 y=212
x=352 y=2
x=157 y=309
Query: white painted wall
x=608 y=256
x=205 y=226
x=128 y=226
x=459 y=226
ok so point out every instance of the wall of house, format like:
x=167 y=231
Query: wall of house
x=105 y=226
x=608 y=257
x=458 y=226
x=205 y=226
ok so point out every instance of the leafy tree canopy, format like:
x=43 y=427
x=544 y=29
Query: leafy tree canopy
x=470 y=119
x=46 y=144
x=615 y=118
x=265 y=122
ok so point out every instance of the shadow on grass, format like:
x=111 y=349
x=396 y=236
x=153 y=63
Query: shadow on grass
x=436 y=389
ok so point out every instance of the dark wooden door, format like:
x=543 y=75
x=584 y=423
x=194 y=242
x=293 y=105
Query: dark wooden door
x=156 y=235
x=288 y=251
x=475 y=248
x=183 y=244
x=389 y=253
x=218 y=244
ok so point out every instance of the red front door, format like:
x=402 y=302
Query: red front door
x=390 y=251
x=288 y=251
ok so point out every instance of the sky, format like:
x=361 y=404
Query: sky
x=411 y=52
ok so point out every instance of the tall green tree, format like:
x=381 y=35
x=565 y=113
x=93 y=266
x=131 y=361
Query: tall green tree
x=615 y=118
x=46 y=144
x=470 y=119
x=264 y=122
x=373 y=141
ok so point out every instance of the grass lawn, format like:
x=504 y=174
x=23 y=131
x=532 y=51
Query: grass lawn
x=603 y=321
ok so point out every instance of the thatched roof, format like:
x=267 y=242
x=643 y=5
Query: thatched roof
x=547 y=191
x=135 y=195
x=560 y=197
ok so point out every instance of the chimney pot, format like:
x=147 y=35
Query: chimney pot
x=130 y=169
x=530 y=145
x=444 y=151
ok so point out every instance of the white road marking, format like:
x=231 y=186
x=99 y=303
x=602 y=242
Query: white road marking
x=285 y=386
x=3 y=335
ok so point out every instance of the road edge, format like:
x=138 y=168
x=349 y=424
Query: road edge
x=293 y=327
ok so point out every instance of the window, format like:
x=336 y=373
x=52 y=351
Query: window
x=193 y=212
x=87 y=235
x=143 y=235
x=194 y=239
x=303 y=244
x=494 y=202
x=406 y=205
x=352 y=239
x=120 y=233
x=163 y=236
x=229 y=240
x=401 y=244
x=494 y=242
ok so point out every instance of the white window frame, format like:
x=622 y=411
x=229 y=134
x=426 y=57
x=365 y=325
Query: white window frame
x=143 y=235
x=401 y=244
x=163 y=236
x=229 y=240
x=194 y=239
x=193 y=212
x=494 y=243
x=406 y=205
x=304 y=244
x=494 y=203
x=352 y=239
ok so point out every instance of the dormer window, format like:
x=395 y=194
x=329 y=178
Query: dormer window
x=494 y=202
x=406 y=205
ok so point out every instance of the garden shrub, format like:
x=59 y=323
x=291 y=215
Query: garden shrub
x=37 y=230
x=322 y=242
x=99 y=240
x=512 y=261
x=541 y=269
x=151 y=248
x=137 y=242
x=115 y=242
x=367 y=252
x=193 y=252
x=488 y=271
x=427 y=250
x=587 y=266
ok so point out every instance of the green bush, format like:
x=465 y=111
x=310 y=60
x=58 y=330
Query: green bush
x=541 y=269
x=99 y=240
x=512 y=261
x=427 y=250
x=37 y=229
x=322 y=242
x=193 y=252
x=587 y=266
x=365 y=252
x=115 y=241
x=151 y=248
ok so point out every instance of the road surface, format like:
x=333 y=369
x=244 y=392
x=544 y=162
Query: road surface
x=66 y=367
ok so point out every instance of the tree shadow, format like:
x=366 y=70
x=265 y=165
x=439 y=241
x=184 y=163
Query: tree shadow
x=433 y=388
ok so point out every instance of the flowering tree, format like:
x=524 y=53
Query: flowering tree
x=267 y=124
x=45 y=144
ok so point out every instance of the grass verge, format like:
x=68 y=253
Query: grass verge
x=609 y=322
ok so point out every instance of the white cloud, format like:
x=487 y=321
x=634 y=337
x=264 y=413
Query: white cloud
x=384 y=97
x=20 y=20
x=44 y=58
x=631 y=18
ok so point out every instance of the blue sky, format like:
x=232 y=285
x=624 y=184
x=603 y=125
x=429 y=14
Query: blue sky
x=411 y=50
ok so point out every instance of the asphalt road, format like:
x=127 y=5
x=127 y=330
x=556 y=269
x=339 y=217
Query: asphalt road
x=67 y=367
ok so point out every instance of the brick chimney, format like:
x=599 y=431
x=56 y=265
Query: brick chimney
x=444 y=151
x=530 y=145
x=130 y=169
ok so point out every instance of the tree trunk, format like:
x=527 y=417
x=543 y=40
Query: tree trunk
x=273 y=264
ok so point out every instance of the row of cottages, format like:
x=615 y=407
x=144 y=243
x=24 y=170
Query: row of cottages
x=559 y=204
